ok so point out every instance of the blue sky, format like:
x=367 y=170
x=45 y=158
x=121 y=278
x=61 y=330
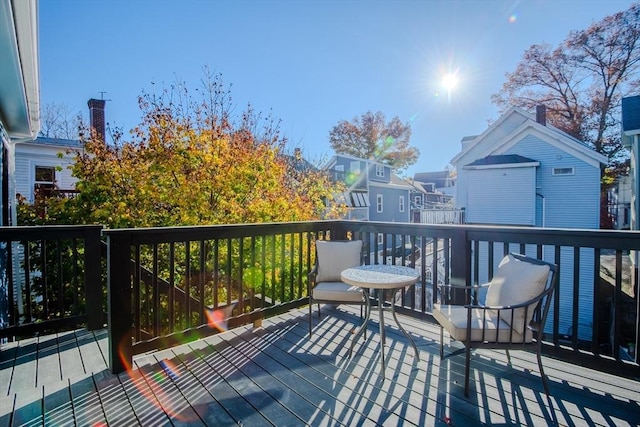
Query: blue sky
x=311 y=63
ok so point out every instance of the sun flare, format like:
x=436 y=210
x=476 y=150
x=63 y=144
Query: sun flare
x=449 y=82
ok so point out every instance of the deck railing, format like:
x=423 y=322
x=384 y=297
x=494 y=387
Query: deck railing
x=167 y=285
x=50 y=278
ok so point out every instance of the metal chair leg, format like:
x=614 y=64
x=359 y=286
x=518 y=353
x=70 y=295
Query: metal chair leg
x=441 y=342
x=466 y=371
x=310 y=318
x=545 y=383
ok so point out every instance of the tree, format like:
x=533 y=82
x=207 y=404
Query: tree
x=370 y=137
x=56 y=121
x=582 y=81
x=189 y=162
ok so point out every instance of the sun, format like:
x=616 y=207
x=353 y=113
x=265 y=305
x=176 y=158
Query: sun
x=449 y=82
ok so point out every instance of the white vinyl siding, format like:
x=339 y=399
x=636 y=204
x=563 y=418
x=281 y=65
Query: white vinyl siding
x=501 y=196
x=27 y=161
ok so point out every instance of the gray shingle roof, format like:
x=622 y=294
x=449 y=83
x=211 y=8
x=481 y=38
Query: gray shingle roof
x=502 y=159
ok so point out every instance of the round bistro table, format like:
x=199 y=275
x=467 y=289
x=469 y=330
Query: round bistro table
x=384 y=278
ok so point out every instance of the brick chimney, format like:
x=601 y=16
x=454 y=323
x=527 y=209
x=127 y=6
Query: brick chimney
x=541 y=115
x=96 y=116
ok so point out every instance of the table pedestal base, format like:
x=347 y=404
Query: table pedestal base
x=383 y=336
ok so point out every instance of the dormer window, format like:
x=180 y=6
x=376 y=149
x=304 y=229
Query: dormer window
x=380 y=171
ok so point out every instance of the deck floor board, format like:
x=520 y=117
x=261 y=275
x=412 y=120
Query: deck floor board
x=279 y=375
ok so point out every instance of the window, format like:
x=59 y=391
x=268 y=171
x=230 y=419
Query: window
x=417 y=200
x=45 y=181
x=379 y=203
x=380 y=170
x=563 y=171
x=380 y=238
x=355 y=167
x=401 y=204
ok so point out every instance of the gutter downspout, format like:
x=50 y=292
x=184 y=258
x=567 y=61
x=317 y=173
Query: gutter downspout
x=544 y=209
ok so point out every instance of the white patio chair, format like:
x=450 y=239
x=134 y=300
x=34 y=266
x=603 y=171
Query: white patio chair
x=513 y=316
x=325 y=284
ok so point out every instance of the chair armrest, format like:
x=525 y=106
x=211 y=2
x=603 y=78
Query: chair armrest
x=510 y=307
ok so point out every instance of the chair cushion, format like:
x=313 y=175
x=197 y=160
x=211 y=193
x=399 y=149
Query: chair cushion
x=516 y=282
x=333 y=257
x=337 y=291
x=453 y=318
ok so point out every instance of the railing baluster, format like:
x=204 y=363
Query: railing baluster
x=136 y=294
x=201 y=281
x=575 y=299
x=172 y=287
x=240 y=276
x=187 y=283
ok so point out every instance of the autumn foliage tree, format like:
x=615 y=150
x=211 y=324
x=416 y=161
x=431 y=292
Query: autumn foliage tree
x=371 y=137
x=581 y=81
x=187 y=163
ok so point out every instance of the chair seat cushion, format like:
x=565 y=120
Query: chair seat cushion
x=453 y=318
x=337 y=291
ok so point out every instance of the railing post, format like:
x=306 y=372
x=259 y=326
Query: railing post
x=93 y=279
x=119 y=302
x=460 y=265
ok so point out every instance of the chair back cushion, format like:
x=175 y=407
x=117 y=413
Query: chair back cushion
x=333 y=257
x=516 y=282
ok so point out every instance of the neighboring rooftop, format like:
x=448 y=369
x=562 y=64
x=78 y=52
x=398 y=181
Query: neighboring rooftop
x=502 y=159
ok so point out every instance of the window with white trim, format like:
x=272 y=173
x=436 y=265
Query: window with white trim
x=45 y=182
x=379 y=170
x=380 y=238
x=379 y=203
x=563 y=171
x=401 y=204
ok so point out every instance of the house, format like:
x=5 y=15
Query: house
x=619 y=199
x=19 y=113
x=373 y=192
x=521 y=171
x=43 y=166
x=631 y=140
x=432 y=198
x=19 y=91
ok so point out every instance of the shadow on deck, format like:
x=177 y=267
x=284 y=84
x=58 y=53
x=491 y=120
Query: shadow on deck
x=277 y=375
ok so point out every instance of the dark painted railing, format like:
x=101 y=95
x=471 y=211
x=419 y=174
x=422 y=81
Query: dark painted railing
x=50 y=279
x=168 y=285
x=193 y=281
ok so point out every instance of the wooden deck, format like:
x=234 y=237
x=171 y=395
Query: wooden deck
x=277 y=375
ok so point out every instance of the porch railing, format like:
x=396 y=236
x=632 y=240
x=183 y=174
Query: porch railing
x=50 y=279
x=218 y=277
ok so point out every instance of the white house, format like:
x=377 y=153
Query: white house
x=44 y=165
x=19 y=91
x=521 y=171
x=19 y=113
